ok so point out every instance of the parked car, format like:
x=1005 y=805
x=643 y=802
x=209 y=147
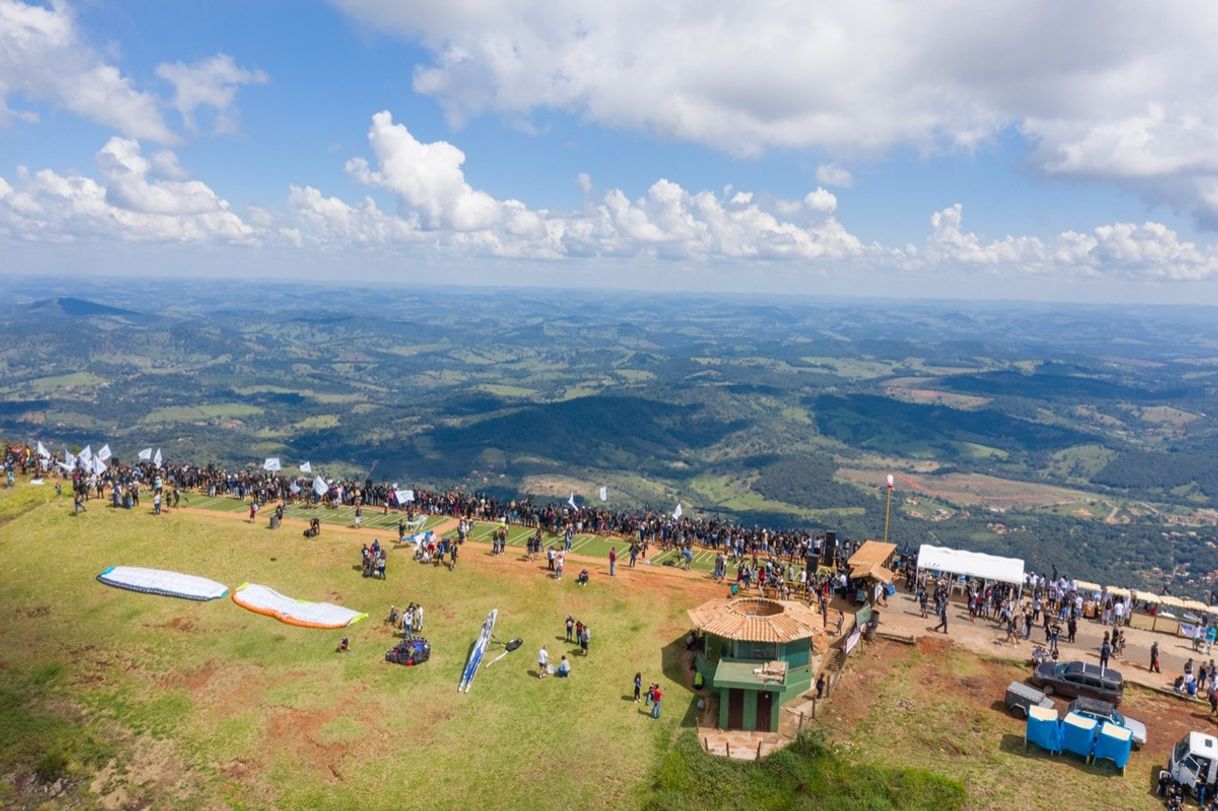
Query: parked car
x=1079 y=679
x=1020 y=696
x=1104 y=711
x=1194 y=759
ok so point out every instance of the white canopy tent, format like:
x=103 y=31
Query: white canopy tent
x=973 y=564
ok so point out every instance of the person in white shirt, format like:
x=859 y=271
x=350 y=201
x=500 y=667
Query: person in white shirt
x=543 y=662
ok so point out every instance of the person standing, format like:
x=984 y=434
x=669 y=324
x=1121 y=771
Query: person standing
x=820 y=686
x=156 y=504
x=638 y=680
x=585 y=636
x=656 y=695
x=1154 y=658
x=359 y=514
x=543 y=662
x=942 y=626
x=571 y=628
x=1105 y=652
x=613 y=561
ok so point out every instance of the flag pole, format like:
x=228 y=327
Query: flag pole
x=887 y=507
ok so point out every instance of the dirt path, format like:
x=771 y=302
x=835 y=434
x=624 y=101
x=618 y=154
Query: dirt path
x=902 y=616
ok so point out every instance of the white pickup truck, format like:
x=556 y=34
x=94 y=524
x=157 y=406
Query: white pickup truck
x=1194 y=756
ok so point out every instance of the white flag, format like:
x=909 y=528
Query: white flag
x=104 y=453
x=271 y=464
x=320 y=487
x=295 y=488
x=69 y=461
x=891 y=481
x=145 y=454
x=156 y=458
x=404 y=496
x=86 y=455
x=571 y=501
x=99 y=467
x=678 y=512
x=604 y=494
x=43 y=452
x=306 y=468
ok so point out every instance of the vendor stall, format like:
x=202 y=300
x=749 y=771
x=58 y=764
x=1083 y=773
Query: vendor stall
x=1090 y=592
x=1156 y=612
x=962 y=565
x=873 y=563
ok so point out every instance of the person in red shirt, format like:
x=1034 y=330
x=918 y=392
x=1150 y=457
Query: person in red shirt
x=613 y=561
x=656 y=695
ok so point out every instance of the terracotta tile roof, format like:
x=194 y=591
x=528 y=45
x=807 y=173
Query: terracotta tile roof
x=754 y=619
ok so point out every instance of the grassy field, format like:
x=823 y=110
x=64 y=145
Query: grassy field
x=203 y=412
x=594 y=546
x=226 y=707
x=115 y=699
x=976 y=489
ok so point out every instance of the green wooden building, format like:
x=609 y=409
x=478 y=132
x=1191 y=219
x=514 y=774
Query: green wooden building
x=756 y=654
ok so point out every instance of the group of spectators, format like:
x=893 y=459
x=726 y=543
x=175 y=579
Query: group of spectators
x=648 y=527
x=782 y=563
x=373 y=559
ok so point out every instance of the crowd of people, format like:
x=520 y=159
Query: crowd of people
x=781 y=563
x=647 y=528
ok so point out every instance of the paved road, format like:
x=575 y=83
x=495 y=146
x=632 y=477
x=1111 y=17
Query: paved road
x=903 y=616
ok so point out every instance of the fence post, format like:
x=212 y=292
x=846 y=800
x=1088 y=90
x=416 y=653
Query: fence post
x=727 y=748
x=758 y=750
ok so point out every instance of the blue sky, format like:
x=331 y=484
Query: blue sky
x=1012 y=151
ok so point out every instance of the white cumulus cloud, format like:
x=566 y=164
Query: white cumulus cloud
x=44 y=58
x=209 y=83
x=427 y=178
x=832 y=174
x=436 y=202
x=134 y=203
x=1149 y=252
x=1125 y=92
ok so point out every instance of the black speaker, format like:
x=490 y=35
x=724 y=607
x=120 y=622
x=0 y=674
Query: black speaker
x=829 y=551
